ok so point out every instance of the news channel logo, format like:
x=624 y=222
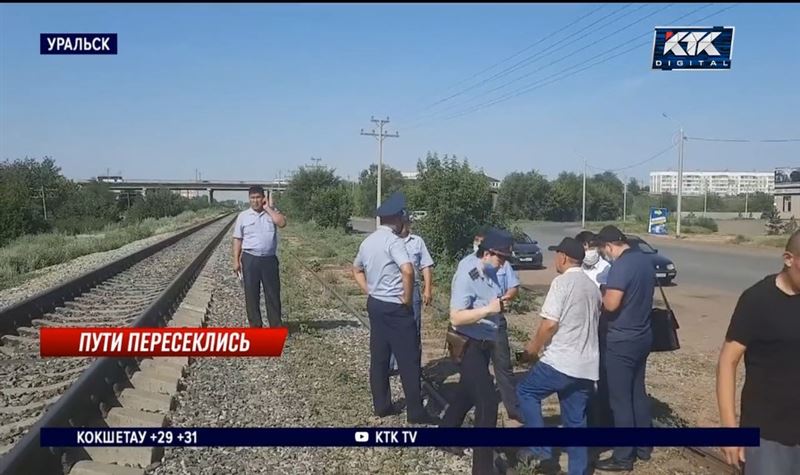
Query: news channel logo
x=78 y=43
x=362 y=436
x=693 y=48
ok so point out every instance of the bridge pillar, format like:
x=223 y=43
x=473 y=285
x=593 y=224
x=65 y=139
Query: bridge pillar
x=210 y=195
x=144 y=192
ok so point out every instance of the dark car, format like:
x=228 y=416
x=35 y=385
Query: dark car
x=665 y=268
x=526 y=252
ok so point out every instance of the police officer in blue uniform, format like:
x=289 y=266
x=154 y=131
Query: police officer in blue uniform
x=508 y=285
x=423 y=263
x=475 y=312
x=384 y=271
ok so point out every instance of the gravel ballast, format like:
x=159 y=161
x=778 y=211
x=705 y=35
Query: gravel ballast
x=321 y=380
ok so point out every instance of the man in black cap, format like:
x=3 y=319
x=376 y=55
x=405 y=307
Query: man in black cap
x=385 y=273
x=626 y=340
x=570 y=360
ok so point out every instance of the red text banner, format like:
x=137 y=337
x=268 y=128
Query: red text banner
x=149 y=342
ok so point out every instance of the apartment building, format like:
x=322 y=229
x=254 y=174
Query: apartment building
x=723 y=183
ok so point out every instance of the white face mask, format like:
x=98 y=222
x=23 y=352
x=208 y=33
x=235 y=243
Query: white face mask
x=592 y=257
x=474 y=247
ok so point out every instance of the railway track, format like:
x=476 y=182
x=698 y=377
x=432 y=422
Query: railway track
x=140 y=290
x=438 y=371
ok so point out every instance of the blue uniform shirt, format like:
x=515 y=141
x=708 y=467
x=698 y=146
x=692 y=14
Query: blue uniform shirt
x=257 y=231
x=505 y=277
x=380 y=255
x=634 y=274
x=468 y=293
x=419 y=255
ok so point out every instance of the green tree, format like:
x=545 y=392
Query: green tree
x=306 y=183
x=85 y=208
x=332 y=207
x=458 y=202
x=157 y=203
x=565 y=198
x=391 y=180
x=524 y=196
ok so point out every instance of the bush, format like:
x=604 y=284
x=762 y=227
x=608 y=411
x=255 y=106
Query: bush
x=458 y=202
x=332 y=207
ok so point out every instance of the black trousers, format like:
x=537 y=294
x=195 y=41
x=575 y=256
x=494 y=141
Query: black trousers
x=257 y=272
x=504 y=371
x=393 y=331
x=475 y=389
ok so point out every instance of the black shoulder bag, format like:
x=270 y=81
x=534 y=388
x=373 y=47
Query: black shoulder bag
x=664 y=326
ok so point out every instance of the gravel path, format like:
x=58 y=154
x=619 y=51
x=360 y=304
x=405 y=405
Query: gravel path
x=321 y=380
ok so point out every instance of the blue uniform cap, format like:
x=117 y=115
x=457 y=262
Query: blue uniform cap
x=498 y=241
x=394 y=205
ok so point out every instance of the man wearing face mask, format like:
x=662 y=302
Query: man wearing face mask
x=508 y=286
x=384 y=272
x=475 y=310
x=594 y=265
x=626 y=342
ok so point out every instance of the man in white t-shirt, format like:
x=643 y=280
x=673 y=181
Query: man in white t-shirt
x=593 y=263
x=570 y=360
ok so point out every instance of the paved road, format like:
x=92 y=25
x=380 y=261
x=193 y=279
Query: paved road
x=724 y=268
x=727 y=269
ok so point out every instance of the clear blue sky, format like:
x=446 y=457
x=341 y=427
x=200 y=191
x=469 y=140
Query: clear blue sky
x=243 y=91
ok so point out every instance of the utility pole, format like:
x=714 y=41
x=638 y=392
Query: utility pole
x=583 y=213
x=380 y=136
x=705 y=198
x=680 y=174
x=746 y=195
x=624 y=204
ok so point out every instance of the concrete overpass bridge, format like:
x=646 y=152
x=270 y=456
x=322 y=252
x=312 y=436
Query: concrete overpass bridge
x=210 y=186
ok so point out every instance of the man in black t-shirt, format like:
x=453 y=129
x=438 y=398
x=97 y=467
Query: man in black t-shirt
x=765 y=328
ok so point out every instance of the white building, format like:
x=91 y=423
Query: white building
x=723 y=183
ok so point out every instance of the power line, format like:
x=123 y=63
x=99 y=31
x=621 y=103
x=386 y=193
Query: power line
x=517 y=66
x=528 y=47
x=646 y=160
x=705 y=139
x=564 y=57
x=543 y=82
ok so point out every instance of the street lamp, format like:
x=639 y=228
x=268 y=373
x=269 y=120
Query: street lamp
x=680 y=172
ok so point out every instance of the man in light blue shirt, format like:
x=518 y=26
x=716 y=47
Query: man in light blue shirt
x=475 y=310
x=422 y=262
x=508 y=289
x=385 y=273
x=255 y=245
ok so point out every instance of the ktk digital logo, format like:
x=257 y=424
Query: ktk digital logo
x=693 y=48
x=78 y=43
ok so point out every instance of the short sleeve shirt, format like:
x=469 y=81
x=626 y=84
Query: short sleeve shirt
x=507 y=278
x=257 y=231
x=767 y=321
x=471 y=288
x=634 y=274
x=380 y=255
x=419 y=255
x=573 y=301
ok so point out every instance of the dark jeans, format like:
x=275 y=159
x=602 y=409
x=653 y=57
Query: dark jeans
x=475 y=388
x=504 y=371
x=573 y=395
x=257 y=272
x=624 y=364
x=392 y=330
